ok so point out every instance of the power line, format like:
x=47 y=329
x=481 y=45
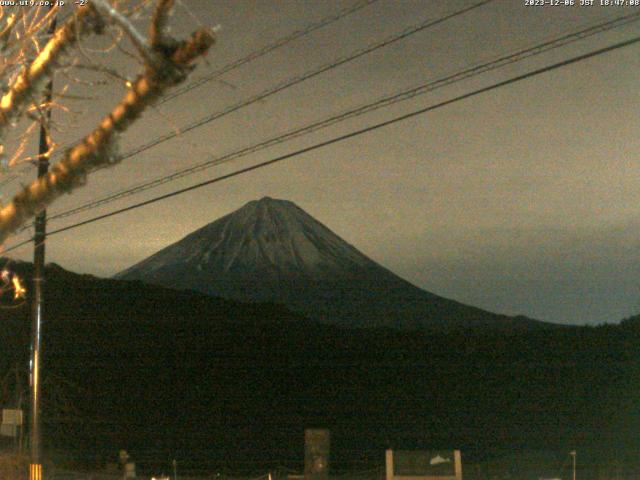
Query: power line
x=303 y=77
x=292 y=81
x=10 y=178
x=265 y=50
x=352 y=134
x=279 y=43
x=356 y=112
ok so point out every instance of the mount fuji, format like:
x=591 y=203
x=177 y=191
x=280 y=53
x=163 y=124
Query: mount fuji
x=273 y=251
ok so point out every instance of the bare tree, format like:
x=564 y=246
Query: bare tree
x=29 y=59
x=29 y=56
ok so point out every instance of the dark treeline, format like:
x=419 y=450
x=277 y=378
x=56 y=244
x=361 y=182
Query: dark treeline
x=230 y=387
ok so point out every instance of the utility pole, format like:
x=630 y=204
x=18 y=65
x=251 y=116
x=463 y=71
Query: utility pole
x=35 y=364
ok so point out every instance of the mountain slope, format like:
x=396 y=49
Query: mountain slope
x=272 y=250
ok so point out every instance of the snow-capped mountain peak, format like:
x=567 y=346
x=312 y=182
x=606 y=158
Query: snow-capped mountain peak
x=265 y=234
x=272 y=250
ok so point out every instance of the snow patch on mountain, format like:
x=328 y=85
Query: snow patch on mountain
x=264 y=234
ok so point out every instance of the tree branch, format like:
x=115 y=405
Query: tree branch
x=157 y=28
x=98 y=148
x=29 y=82
x=138 y=40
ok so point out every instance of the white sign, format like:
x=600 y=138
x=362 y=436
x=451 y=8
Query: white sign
x=7 y=430
x=423 y=465
x=11 y=416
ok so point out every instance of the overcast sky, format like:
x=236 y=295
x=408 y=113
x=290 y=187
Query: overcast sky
x=523 y=200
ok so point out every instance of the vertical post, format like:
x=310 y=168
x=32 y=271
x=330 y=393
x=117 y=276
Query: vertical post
x=124 y=457
x=316 y=454
x=457 y=455
x=388 y=455
x=573 y=454
x=21 y=437
x=35 y=364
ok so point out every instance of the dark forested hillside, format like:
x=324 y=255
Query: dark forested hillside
x=224 y=385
